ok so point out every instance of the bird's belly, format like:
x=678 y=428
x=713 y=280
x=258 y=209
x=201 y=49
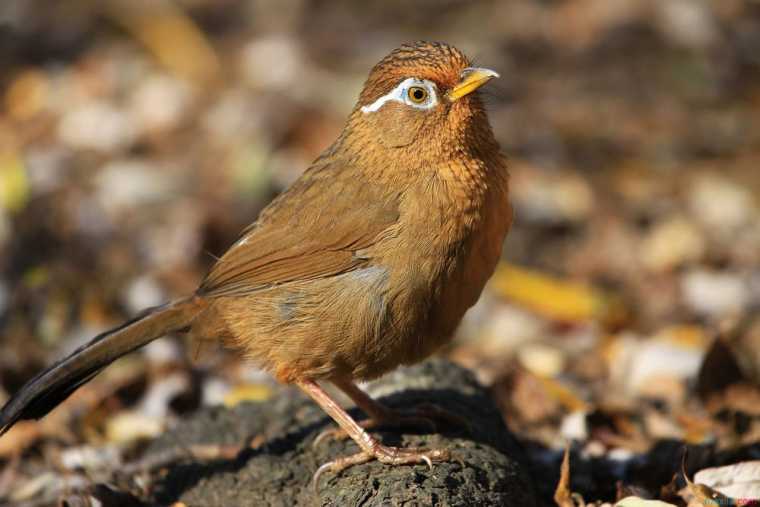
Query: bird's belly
x=336 y=326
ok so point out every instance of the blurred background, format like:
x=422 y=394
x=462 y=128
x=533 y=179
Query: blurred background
x=137 y=138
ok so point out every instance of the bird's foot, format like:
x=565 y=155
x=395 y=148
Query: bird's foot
x=384 y=454
x=423 y=416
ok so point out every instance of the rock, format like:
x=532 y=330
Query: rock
x=277 y=468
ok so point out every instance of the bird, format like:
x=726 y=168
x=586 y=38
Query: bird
x=368 y=261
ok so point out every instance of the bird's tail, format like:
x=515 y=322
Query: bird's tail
x=45 y=391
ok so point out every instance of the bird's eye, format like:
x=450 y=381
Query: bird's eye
x=412 y=92
x=417 y=94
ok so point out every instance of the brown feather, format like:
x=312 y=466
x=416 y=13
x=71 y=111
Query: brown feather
x=374 y=254
x=368 y=261
x=309 y=232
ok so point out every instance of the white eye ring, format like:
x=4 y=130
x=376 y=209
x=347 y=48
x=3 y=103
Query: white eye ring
x=401 y=94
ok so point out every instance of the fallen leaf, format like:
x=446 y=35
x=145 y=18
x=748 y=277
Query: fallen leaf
x=170 y=34
x=562 y=495
x=702 y=493
x=564 y=395
x=634 y=501
x=554 y=298
x=14 y=184
x=247 y=392
x=719 y=370
x=740 y=481
x=127 y=426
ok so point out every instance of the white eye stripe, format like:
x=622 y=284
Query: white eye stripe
x=400 y=94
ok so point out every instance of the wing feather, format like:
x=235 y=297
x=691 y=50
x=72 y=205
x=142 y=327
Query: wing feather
x=313 y=230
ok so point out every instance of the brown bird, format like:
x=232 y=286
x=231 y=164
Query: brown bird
x=368 y=261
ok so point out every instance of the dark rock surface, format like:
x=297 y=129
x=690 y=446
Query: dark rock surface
x=279 y=470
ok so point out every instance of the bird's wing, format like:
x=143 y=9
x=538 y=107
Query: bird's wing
x=312 y=230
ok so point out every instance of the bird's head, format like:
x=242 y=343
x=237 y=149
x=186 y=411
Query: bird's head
x=422 y=100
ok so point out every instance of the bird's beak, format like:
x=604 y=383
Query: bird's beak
x=472 y=78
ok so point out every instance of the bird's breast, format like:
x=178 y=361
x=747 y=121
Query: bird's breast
x=447 y=247
x=473 y=262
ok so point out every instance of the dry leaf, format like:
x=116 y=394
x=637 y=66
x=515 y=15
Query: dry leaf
x=564 y=395
x=14 y=184
x=719 y=370
x=740 y=481
x=170 y=34
x=702 y=493
x=634 y=501
x=128 y=425
x=247 y=392
x=556 y=299
x=563 y=496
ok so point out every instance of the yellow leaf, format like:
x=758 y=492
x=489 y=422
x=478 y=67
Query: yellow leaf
x=129 y=426
x=247 y=392
x=564 y=396
x=555 y=298
x=170 y=35
x=14 y=185
x=685 y=336
x=634 y=501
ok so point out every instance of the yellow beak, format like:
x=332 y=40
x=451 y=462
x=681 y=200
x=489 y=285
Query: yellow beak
x=472 y=79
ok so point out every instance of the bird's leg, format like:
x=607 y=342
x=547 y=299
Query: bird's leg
x=370 y=447
x=423 y=416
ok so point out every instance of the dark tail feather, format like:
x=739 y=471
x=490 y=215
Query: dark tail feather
x=48 y=389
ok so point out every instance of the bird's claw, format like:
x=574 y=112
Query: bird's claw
x=396 y=421
x=388 y=455
x=422 y=416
